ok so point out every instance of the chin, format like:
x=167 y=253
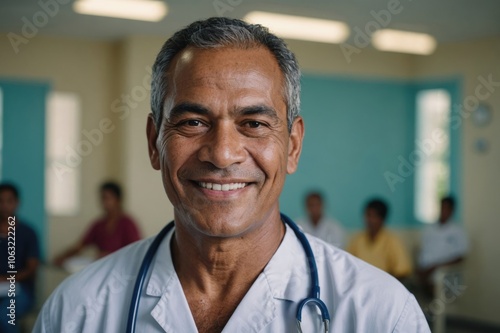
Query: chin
x=221 y=225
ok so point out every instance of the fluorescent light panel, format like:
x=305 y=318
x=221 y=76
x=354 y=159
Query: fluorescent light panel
x=298 y=27
x=403 y=41
x=142 y=10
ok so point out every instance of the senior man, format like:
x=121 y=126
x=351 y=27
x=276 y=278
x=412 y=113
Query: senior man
x=224 y=132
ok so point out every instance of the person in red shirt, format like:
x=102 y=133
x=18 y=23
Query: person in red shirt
x=109 y=233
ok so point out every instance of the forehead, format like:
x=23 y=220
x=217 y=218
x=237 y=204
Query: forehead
x=7 y=194
x=250 y=71
x=314 y=199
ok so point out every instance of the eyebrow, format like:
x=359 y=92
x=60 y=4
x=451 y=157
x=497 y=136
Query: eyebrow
x=259 y=110
x=188 y=107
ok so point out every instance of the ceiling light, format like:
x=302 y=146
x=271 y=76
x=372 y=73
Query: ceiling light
x=142 y=10
x=403 y=41
x=298 y=27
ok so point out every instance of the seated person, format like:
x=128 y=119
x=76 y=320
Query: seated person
x=109 y=233
x=443 y=243
x=26 y=260
x=378 y=246
x=320 y=225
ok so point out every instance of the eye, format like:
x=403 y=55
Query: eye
x=254 y=124
x=193 y=123
x=191 y=126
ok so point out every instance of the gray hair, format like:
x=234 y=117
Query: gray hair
x=221 y=32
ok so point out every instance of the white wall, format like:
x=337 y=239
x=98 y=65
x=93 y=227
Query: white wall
x=146 y=197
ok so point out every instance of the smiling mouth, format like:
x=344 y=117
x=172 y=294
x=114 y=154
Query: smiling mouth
x=222 y=187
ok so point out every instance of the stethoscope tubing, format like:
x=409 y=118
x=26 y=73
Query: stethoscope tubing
x=314 y=293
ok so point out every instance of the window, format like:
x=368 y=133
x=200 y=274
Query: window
x=432 y=178
x=62 y=173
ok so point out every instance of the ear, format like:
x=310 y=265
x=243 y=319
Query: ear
x=295 y=144
x=152 y=135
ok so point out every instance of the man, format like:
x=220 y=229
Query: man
x=378 y=246
x=318 y=224
x=109 y=233
x=19 y=240
x=224 y=133
x=444 y=243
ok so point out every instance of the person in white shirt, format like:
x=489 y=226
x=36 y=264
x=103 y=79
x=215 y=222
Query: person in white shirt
x=443 y=243
x=224 y=132
x=318 y=224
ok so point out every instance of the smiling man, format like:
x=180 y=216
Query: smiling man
x=224 y=133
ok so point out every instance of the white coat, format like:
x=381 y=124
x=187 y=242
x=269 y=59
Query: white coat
x=360 y=298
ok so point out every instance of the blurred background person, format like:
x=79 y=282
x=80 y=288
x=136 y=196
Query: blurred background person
x=443 y=243
x=114 y=230
x=318 y=224
x=378 y=246
x=26 y=259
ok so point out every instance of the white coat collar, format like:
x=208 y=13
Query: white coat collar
x=285 y=278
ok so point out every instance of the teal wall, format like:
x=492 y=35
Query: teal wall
x=23 y=153
x=356 y=129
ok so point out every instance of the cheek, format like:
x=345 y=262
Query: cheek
x=271 y=156
x=175 y=154
x=168 y=163
x=168 y=143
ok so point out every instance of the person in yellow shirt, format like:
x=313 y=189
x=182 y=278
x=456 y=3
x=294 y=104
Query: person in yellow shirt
x=378 y=246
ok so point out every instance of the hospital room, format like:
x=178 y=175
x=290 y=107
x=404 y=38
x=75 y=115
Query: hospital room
x=347 y=147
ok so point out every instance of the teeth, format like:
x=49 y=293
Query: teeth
x=222 y=187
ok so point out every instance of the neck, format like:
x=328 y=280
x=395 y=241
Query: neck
x=373 y=233
x=315 y=220
x=113 y=214
x=217 y=266
x=4 y=220
x=443 y=221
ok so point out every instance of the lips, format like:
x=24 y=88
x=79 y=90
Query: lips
x=222 y=187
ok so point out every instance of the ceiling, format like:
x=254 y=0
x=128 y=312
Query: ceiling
x=447 y=20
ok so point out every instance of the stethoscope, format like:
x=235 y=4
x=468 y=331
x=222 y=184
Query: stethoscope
x=313 y=297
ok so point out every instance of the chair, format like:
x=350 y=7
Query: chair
x=448 y=286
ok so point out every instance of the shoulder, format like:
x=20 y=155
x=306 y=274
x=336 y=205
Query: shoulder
x=128 y=220
x=359 y=287
x=124 y=262
x=357 y=237
x=97 y=222
x=26 y=235
x=456 y=227
x=101 y=287
x=25 y=229
x=392 y=237
x=333 y=223
x=348 y=268
x=428 y=228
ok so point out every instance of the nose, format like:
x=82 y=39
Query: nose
x=224 y=146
